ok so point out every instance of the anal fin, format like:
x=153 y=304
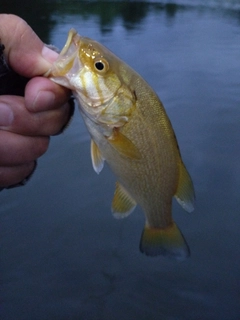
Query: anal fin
x=123 y=204
x=167 y=241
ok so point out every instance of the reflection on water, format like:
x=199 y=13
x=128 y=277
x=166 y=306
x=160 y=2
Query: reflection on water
x=62 y=254
x=47 y=13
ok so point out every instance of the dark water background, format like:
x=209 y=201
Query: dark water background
x=63 y=256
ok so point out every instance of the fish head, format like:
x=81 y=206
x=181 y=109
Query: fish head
x=88 y=69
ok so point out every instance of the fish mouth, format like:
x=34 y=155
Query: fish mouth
x=72 y=34
x=68 y=62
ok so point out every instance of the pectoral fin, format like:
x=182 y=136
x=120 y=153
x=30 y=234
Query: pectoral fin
x=167 y=242
x=123 y=204
x=123 y=145
x=185 y=192
x=97 y=159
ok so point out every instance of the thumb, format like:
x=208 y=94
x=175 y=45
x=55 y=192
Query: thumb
x=25 y=52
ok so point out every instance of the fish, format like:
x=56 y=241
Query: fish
x=131 y=132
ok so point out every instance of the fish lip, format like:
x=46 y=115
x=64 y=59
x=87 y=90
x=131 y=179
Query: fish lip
x=68 y=52
x=63 y=57
x=71 y=35
x=66 y=57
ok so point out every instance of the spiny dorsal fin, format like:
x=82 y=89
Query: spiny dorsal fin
x=123 y=204
x=167 y=241
x=123 y=145
x=97 y=159
x=185 y=191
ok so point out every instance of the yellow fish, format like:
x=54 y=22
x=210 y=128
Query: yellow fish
x=130 y=130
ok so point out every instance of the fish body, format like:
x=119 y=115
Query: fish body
x=131 y=131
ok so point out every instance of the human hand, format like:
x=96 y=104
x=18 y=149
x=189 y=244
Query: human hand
x=26 y=123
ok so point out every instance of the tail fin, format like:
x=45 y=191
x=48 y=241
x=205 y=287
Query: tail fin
x=167 y=242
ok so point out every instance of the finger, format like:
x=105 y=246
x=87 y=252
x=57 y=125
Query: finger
x=23 y=122
x=18 y=150
x=25 y=52
x=41 y=94
x=13 y=175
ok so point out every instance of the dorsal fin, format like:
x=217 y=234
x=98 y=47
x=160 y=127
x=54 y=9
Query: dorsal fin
x=97 y=159
x=185 y=191
x=123 y=204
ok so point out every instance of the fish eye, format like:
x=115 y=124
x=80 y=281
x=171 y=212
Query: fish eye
x=101 y=65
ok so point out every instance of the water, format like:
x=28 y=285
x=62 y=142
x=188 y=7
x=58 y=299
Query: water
x=63 y=256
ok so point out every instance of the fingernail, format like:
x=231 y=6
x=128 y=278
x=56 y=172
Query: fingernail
x=6 y=115
x=49 y=54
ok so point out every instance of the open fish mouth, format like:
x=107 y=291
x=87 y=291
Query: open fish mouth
x=72 y=34
x=68 y=62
